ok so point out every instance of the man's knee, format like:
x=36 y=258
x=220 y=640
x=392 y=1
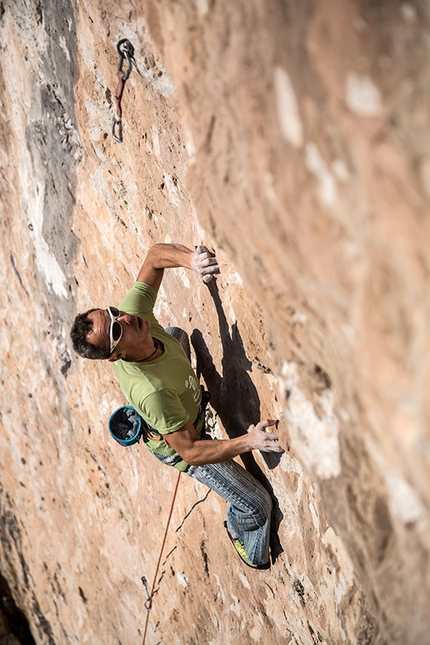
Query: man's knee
x=264 y=498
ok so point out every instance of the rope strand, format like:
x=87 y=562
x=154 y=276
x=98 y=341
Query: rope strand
x=148 y=603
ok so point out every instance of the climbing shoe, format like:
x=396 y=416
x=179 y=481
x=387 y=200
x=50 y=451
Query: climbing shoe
x=241 y=551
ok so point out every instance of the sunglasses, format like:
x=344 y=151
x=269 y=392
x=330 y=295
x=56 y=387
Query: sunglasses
x=115 y=329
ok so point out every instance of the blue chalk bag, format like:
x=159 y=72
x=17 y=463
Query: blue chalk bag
x=125 y=425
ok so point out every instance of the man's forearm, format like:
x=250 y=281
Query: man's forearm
x=169 y=256
x=214 y=451
x=160 y=257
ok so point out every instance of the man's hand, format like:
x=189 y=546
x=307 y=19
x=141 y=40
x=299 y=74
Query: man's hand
x=262 y=440
x=204 y=263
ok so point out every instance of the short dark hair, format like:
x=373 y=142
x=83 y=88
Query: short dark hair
x=81 y=327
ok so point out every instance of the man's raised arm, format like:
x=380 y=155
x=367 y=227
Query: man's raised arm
x=168 y=256
x=213 y=451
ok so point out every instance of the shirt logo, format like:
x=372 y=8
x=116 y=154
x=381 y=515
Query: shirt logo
x=193 y=384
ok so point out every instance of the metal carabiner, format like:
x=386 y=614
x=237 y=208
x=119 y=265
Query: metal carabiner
x=126 y=51
x=118 y=123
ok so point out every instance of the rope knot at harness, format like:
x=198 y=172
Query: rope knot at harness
x=126 y=53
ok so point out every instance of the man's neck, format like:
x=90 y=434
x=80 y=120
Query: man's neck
x=149 y=351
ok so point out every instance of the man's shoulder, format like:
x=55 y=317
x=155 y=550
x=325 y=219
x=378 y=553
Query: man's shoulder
x=141 y=297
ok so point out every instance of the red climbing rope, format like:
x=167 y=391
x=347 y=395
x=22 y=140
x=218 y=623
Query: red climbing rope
x=148 y=603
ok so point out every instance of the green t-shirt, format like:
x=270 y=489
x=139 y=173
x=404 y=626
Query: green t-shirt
x=165 y=391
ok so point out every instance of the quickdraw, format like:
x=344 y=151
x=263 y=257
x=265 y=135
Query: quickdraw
x=126 y=53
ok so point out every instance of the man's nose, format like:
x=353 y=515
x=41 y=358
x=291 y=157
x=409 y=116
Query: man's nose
x=125 y=318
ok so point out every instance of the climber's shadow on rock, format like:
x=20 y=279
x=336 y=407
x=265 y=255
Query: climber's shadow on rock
x=234 y=396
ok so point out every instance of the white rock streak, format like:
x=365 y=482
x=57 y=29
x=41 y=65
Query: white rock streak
x=343 y=574
x=317 y=166
x=404 y=501
x=45 y=260
x=288 y=109
x=362 y=96
x=315 y=440
x=173 y=190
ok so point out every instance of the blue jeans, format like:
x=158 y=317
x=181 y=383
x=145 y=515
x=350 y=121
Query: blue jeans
x=249 y=505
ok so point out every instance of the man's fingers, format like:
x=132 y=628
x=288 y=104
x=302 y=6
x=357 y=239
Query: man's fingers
x=272 y=443
x=203 y=250
x=208 y=272
x=265 y=423
x=274 y=448
x=270 y=422
x=207 y=261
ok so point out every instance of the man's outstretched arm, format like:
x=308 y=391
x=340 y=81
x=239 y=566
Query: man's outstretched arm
x=213 y=451
x=168 y=256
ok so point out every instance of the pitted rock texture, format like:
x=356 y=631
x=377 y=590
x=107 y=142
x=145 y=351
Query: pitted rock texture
x=293 y=138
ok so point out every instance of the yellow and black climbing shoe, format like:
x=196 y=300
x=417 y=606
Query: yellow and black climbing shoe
x=240 y=548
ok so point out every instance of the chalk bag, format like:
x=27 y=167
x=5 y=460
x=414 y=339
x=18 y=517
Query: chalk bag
x=126 y=425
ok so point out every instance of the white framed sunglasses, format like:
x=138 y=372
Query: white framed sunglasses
x=115 y=329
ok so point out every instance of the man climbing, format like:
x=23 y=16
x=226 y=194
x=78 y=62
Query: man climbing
x=159 y=382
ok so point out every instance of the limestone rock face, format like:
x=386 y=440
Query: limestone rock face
x=293 y=138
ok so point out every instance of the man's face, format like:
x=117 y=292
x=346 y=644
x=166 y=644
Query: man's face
x=135 y=331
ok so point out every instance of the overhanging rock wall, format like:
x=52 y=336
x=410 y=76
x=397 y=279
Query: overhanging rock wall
x=293 y=138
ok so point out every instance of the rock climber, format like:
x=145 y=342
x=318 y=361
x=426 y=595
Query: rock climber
x=158 y=380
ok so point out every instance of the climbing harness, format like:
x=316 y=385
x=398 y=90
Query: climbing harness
x=126 y=53
x=148 y=603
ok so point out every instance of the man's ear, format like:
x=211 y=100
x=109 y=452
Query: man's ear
x=115 y=357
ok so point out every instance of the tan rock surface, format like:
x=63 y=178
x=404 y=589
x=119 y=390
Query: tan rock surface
x=293 y=138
